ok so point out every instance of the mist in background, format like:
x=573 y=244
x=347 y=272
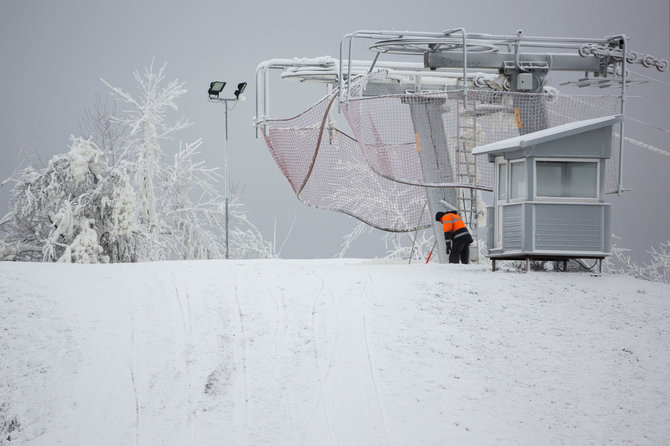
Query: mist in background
x=55 y=53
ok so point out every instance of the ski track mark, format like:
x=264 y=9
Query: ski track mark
x=322 y=397
x=336 y=339
x=188 y=335
x=131 y=364
x=281 y=335
x=242 y=360
x=378 y=403
x=315 y=300
x=277 y=319
x=281 y=346
x=179 y=304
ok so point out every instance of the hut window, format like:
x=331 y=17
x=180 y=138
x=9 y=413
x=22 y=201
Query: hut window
x=517 y=179
x=502 y=181
x=567 y=179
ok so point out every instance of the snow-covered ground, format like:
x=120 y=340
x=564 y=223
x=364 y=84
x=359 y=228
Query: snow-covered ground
x=329 y=352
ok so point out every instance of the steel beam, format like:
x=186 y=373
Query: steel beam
x=481 y=60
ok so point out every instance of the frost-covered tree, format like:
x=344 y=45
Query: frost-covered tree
x=195 y=229
x=146 y=119
x=144 y=205
x=179 y=208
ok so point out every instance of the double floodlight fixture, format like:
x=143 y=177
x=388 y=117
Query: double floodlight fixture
x=216 y=87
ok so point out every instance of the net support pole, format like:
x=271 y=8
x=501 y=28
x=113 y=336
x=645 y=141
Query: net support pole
x=620 y=189
x=436 y=163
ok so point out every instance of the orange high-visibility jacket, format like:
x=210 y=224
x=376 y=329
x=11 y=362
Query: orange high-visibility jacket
x=453 y=226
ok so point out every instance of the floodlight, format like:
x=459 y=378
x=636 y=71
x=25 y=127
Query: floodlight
x=215 y=88
x=240 y=88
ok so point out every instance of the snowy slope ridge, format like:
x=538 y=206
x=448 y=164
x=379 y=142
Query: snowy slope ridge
x=329 y=352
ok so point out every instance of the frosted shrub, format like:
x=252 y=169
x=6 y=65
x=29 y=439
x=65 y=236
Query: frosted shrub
x=84 y=248
x=349 y=238
x=398 y=246
x=659 y=267
x=656 y=270
x=55 y=212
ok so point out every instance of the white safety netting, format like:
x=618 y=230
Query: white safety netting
x=327 y=170
x=380 y=174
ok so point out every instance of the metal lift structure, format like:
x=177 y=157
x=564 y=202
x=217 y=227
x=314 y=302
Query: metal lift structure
x=466 y=89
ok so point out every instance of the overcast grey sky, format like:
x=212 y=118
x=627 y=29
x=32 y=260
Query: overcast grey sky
x=54 y=53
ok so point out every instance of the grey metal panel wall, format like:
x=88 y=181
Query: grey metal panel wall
x=512 y=227
x=607 y=231
x=490 y=226
x=602 y=176
x=569 y=227
x=593 y=144
x=529 y=227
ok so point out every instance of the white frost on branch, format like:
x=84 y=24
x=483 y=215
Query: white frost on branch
x=85 y=158
x=399 y=246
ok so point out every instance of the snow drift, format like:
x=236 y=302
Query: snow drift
x=336 y=352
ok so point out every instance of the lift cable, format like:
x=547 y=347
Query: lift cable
x=644 y=145
x=648 y=124
x=650 y=78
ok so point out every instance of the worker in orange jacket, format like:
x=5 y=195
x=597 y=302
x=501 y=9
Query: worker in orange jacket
x=456 y=235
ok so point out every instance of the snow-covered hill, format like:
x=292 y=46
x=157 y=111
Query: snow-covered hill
x=345 y=352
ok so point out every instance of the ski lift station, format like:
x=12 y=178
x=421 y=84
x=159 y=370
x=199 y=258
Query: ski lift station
x=451 y=120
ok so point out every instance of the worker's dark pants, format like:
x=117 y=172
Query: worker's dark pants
x=460 y=251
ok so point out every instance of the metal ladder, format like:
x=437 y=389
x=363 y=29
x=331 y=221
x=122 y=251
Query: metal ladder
x=466 y=167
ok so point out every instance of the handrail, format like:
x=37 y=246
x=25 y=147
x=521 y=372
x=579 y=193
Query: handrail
x=371 y=34
x=264 y=67
x=465 y=62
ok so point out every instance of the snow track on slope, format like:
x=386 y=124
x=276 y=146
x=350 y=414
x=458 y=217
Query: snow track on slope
x=240 y=349
x=323 y=376
x=131 y=366
x=378 y=402
x=350 y=384
x=187 y=333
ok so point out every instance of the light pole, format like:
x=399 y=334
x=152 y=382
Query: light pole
x=215 y=88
